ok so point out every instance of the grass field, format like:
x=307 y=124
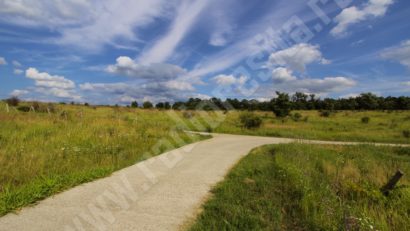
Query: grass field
x=385 y=127
x=42 y=154
x=311 y=187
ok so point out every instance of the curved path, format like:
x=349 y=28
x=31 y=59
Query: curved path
x=162 y=193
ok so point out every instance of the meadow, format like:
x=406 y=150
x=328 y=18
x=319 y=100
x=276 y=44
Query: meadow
x=311 y=187
x=382 y=126
x=46 y=152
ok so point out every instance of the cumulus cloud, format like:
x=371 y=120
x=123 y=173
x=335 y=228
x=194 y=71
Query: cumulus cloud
x=52 y=85
x=226 y=80
x=3 y=61
x=400 y=53
x=156 y=71
x=281 y=75
x=353 y=15
x=297 y=57
x=43 y=79
x=284 y=80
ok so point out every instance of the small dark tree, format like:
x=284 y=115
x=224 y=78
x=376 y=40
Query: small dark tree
x=167 y=105
x=13 y=101
x=147 y=105
x=160 y=105
x=134 y=104
x=281 y=106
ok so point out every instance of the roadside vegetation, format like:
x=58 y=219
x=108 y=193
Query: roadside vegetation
x=312 y=187
x=361 y=126
x=48 y=148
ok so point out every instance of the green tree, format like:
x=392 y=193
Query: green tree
x=281 y=105
x=147 y=105
x=134 y=104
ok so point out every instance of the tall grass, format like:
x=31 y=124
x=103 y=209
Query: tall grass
x=390 y=127
x=44 y=153
x=312 y=187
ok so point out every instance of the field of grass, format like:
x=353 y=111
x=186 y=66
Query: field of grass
x=42 y=154
x=312 y=187
x=386 y=127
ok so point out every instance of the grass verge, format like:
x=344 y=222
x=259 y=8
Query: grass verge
x=311 y=187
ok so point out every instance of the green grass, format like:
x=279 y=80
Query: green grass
x=42 y=154
x=384 y=127
x=311 y=187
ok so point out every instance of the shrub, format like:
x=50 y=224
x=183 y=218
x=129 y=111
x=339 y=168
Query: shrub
x=250 y=120
x=296 y=116
x=406 y=133
x=365 y=120
x=24 y=108
x=325 y=113
x=188 y=114
x=13 y=101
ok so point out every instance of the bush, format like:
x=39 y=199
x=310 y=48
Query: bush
x=24 y=108
x=365 y=120
x=296 y=116
x=250 y=120
x=188 y=114
x=325 y=113
x=13 y=101
x=406 y=133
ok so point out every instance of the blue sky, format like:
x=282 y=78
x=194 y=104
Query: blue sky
x=109 y=52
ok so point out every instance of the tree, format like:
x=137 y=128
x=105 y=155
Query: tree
x=13 y=101
x=160 y=105
x=147 y=105
x=167 y=105
x=368 y=101
x=281 y=105
x=134 y=104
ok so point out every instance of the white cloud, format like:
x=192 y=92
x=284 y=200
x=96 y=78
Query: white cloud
x=353 y=15
x=19 y=93
x=163 y=91
x=43 y=79
x=187 y=15
x=155 y=71
x=297 y=57
x=406 y=83
x=226 y=80
x=3 y=61
x=281 y=74
x=52 y=85
x=399 y=53
x=179 y=85
x=18 y=71
x=88 y=24
x=284 y=80
x=16 y=63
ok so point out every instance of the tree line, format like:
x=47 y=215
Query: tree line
x=285 y=102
